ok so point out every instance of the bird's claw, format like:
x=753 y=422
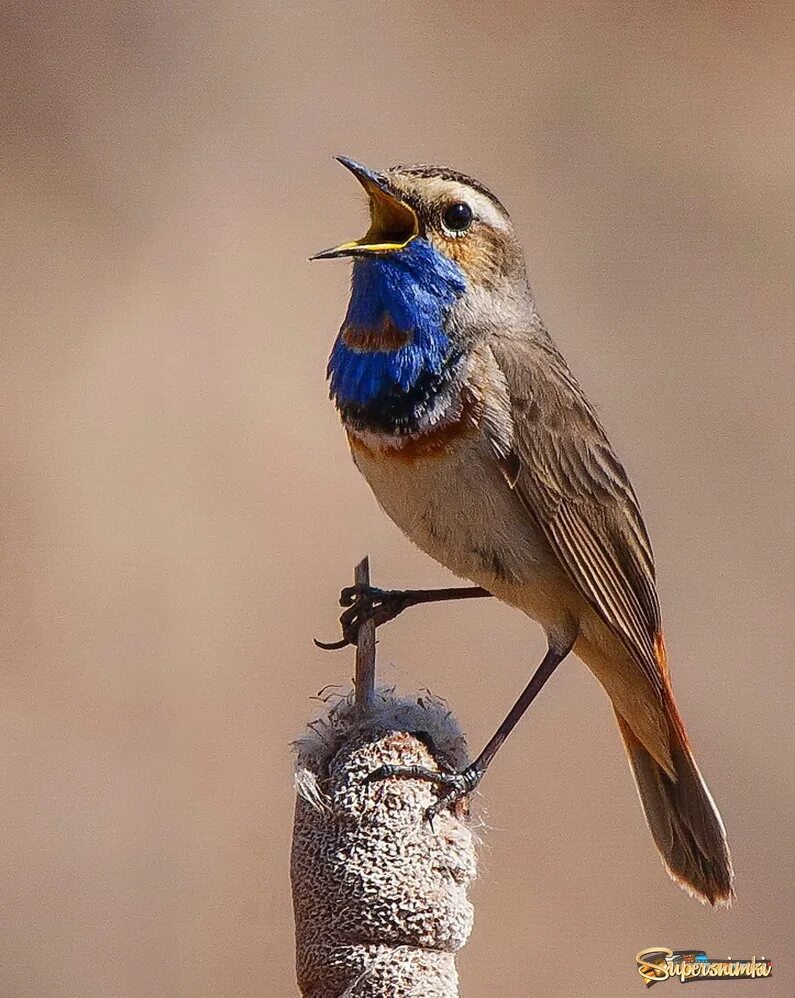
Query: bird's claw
x=351 y=594
x=452 y=786
x=363 y=604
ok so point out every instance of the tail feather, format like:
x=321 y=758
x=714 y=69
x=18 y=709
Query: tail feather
x=684 y=822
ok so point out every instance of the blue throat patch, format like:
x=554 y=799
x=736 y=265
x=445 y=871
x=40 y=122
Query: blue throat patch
x=411 y=290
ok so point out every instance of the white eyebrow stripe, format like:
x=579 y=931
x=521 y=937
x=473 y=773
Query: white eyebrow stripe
x=485 y=209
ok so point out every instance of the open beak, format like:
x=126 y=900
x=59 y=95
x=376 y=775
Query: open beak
x=393 y=223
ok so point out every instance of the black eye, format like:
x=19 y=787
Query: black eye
x=457 y=217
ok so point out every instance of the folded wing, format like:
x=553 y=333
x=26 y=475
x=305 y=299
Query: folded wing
x=562 y=465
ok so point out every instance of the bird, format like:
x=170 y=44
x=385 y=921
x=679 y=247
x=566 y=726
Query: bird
x=479 y=443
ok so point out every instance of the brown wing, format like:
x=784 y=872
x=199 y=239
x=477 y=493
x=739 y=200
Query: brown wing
x=563 y=467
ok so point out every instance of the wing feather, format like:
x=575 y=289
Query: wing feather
x=563 y=467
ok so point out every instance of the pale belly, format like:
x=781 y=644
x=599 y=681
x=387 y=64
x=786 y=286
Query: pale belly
x=457 y=507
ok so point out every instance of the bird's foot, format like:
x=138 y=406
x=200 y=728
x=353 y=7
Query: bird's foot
x=367 y=603
x=452 y=786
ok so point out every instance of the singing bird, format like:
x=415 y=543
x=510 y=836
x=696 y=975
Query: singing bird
x=479 y=443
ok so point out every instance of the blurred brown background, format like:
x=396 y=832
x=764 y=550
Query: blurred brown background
x=178 y=508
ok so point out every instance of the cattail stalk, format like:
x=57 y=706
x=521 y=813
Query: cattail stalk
x=380 y=896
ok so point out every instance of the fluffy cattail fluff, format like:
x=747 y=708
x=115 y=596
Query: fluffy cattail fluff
x=380 y=897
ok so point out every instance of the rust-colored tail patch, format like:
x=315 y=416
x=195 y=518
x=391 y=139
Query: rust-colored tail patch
x=662 y=656
x=678 y=731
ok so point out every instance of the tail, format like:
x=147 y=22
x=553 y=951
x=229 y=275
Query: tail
x=684 y=822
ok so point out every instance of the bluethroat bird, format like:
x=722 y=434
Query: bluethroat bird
x=479 y=443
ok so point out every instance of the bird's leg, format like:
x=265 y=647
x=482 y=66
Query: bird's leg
x=453 y=786
x=365 y=603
